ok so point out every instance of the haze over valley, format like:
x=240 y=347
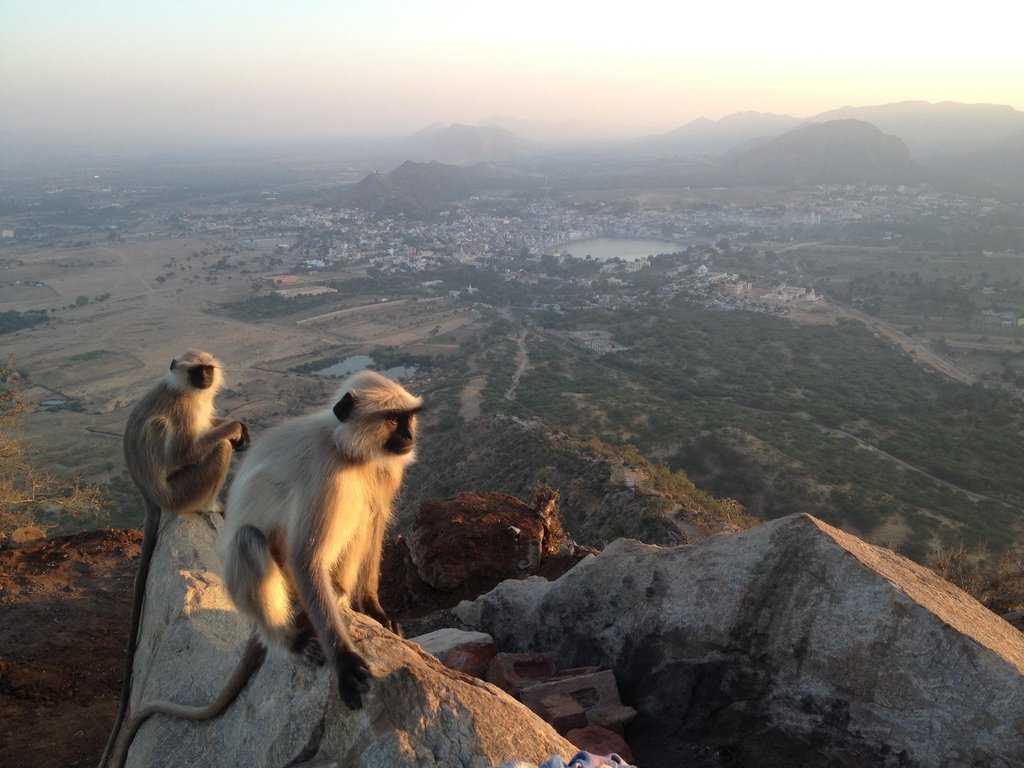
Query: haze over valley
x=659 y=275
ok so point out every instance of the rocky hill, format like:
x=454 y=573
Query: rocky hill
x=835 y=152
x=937 y=128
x=713 y=137
x=414 y=188
x=606 y=492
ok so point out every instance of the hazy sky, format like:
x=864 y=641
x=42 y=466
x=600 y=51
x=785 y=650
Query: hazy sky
x=172 y=72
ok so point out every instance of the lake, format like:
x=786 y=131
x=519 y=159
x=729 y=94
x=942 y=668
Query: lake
x=604 y=248
x=357 y=363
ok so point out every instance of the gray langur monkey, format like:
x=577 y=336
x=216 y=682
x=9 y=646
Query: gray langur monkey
x=304 y=529
x=178 y=453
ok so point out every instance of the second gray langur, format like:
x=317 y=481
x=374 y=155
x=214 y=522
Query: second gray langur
x=178 y=453
x=306 y=518
x=304 y=529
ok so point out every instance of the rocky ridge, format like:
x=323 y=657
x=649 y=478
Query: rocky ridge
x=790 y=644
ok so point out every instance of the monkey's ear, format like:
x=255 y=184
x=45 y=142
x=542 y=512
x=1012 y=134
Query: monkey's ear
x=344 y=407
x=174 y=362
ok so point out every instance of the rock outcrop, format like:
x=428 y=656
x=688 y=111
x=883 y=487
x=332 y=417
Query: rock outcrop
x=461 y=547
x=478 y=539
x=790 y=644
x=418 y=712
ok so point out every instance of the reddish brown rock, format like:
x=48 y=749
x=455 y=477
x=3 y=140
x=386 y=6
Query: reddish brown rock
x=461 y=548
x=595 y=689
x=469 y=652
x=574 y=672
x=513 y=672
x=563 y=712
x=600 y=741
x=480 y=538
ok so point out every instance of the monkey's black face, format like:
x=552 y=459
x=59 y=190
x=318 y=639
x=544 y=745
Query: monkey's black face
x=403 y=432
x=201 y=376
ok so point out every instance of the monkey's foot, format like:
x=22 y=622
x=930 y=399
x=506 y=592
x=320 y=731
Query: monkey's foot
x=308 y=647
x=354 y=678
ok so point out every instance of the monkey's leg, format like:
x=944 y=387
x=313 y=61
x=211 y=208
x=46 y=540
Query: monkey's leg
x=149 y=537
x=315 y=589
x=193 y=487
x=259 y=587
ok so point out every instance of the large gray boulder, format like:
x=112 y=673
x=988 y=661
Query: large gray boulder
x=418 y=712
x=793 y=644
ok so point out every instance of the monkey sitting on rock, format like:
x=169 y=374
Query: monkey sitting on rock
x=304 y=529
x=178 y=453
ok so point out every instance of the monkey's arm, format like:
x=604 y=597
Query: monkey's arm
x=177 y=484
x=311 y=556
x=183 y=453
x=369 y=602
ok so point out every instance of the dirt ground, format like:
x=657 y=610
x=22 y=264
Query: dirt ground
x=64 y=607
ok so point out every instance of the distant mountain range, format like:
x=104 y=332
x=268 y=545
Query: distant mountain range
x=942 y=127
x=834 y=152
x=980 y=146
x=926 y=128
x=460 y=144
x=550 y=133
x=713 y=137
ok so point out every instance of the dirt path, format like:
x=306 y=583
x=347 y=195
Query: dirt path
x=65 y=610
x=354 y=310
x=522 y=363
x=472 y=393
x=919 y=350
x=471 y=397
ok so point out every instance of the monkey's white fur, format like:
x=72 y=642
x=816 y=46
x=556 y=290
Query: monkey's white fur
x=319 y=485
x=203 y=402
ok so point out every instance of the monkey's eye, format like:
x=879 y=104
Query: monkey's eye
x=392 y=421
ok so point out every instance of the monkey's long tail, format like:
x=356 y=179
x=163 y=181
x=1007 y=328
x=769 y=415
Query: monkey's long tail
x=252 y=659
x=149 y=536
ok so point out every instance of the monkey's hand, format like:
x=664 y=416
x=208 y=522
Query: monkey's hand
x=354 y=678
x=241 y=442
